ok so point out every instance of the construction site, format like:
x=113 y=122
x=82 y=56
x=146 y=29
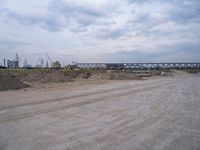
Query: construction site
x=100 y=75
x=101 y=107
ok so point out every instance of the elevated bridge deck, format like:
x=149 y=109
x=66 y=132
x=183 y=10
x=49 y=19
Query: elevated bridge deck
x=135 y=66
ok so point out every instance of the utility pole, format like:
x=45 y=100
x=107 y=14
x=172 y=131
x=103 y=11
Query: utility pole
x=4 y=62
x=42 y=62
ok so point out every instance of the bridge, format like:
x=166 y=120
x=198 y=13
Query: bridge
x=138 y=66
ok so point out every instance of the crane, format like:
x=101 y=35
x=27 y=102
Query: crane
x=37 y=63
x=49 y=59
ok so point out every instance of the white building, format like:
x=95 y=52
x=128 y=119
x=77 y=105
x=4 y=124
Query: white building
x=12 y=64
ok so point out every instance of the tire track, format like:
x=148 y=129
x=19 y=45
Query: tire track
x=81 y=95
x=104 y=97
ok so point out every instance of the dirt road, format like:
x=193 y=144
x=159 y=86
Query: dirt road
x=157 y=114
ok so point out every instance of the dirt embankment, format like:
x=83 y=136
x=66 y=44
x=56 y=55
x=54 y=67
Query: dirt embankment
x=46 y=77
x=60 y=76
x=10 y=82
x=107 y=75
x=169 y=73
x=15 y=79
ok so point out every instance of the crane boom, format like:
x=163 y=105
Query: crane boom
x=49 y=59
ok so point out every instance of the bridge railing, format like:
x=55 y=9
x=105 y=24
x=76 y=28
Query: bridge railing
x=130 y=66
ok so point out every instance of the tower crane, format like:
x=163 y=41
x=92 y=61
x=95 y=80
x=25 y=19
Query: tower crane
x=49 y=59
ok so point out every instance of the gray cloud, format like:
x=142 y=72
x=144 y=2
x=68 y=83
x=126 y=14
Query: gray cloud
x=184 y=11
x=188 y=52
x=143 y=23
x=48 y=22
x=167 y=28
x=80 y=13
x=138 y=1
x=62 y=14
x=73 y=7
x=11 y=44
x=108 y=33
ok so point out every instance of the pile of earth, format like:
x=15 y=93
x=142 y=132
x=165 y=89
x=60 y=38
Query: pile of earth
x=198 y=74
x=180 y=73
x=166 y=74
x=58 y=76
x=174 y=73
x=112 y=75
x=46 y=77
x=10 y=82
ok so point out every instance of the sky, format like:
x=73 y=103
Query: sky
x=100 y=30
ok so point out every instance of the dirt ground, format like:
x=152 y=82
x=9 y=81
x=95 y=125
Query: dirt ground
x=10 y=82
x=158 y=114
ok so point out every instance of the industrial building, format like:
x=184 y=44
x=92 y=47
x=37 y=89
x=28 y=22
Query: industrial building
x=12 y=64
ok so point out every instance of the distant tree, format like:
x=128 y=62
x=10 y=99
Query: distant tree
x=56 y=64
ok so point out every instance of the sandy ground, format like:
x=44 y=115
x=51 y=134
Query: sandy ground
x=157 y=114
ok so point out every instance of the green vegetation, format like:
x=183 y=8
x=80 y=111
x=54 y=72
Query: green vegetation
x=56 y=65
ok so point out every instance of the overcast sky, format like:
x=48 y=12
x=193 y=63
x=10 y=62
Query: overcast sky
x=101 y=30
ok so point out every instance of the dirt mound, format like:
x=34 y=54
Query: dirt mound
x=34 y=77
x=10 y=82
x=197 y=75
x=179 y=73
x=47 y=77
x=166 y=74
x=94 y=76
x=174 y=73
x=113 y=76
x=125 y=76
